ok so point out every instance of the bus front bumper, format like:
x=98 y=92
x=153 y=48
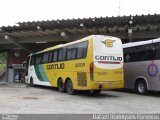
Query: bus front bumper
x=26 y=79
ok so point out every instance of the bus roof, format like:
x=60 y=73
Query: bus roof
x=133 y=44
x=60 y=45
x=63 y=45
x=70 y=43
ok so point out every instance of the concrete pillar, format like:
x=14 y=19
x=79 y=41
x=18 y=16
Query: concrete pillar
x=130 y=36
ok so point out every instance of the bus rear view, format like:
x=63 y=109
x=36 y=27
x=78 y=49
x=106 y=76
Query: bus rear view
x=106 y=70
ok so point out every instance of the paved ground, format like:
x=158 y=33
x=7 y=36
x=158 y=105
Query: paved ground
x=22 y=99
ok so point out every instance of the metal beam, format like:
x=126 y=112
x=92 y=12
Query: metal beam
x=72 y=37
x=146 y=35
x=13 y=41
x=41 y=39
x=3 y=41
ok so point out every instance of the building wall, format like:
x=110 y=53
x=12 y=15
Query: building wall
x=17 y=56
x=15 y=68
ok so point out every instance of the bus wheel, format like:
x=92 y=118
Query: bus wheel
x=31 y=82
x=61 y=86
x=69 y=87
x=141 y=87
x=96 y=92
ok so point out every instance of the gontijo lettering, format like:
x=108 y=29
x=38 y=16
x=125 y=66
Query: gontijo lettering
x=55 y=66
x=108 y=58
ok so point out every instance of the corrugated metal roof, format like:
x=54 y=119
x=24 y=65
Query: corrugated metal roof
x=84 y=26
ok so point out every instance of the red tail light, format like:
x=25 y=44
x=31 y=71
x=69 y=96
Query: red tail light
x=91 y=70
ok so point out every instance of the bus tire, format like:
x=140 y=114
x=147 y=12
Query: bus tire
x=61 y=86
x=69 y=87
x=31 y=84
x=141 y=87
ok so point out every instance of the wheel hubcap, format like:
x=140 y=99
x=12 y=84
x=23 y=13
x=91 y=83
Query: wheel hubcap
x=141 y=87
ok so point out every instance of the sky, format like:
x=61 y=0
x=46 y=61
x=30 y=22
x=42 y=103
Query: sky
x=14 y=11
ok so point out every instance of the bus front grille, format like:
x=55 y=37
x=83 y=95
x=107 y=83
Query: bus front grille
x=82 y=79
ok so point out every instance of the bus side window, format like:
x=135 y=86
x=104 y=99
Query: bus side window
x=50 y=57
x=33 y=60
x=62 y=54
x=38 y=59
x=127 y=58
x=145 y=52
x=54 y=56
x=45 y=57
x=79 y=51
x=157 y=51
x=71 y=52
x=85 y=45
x=82 y=50
x=130 y=54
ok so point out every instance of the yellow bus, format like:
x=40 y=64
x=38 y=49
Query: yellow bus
x=94 y=63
